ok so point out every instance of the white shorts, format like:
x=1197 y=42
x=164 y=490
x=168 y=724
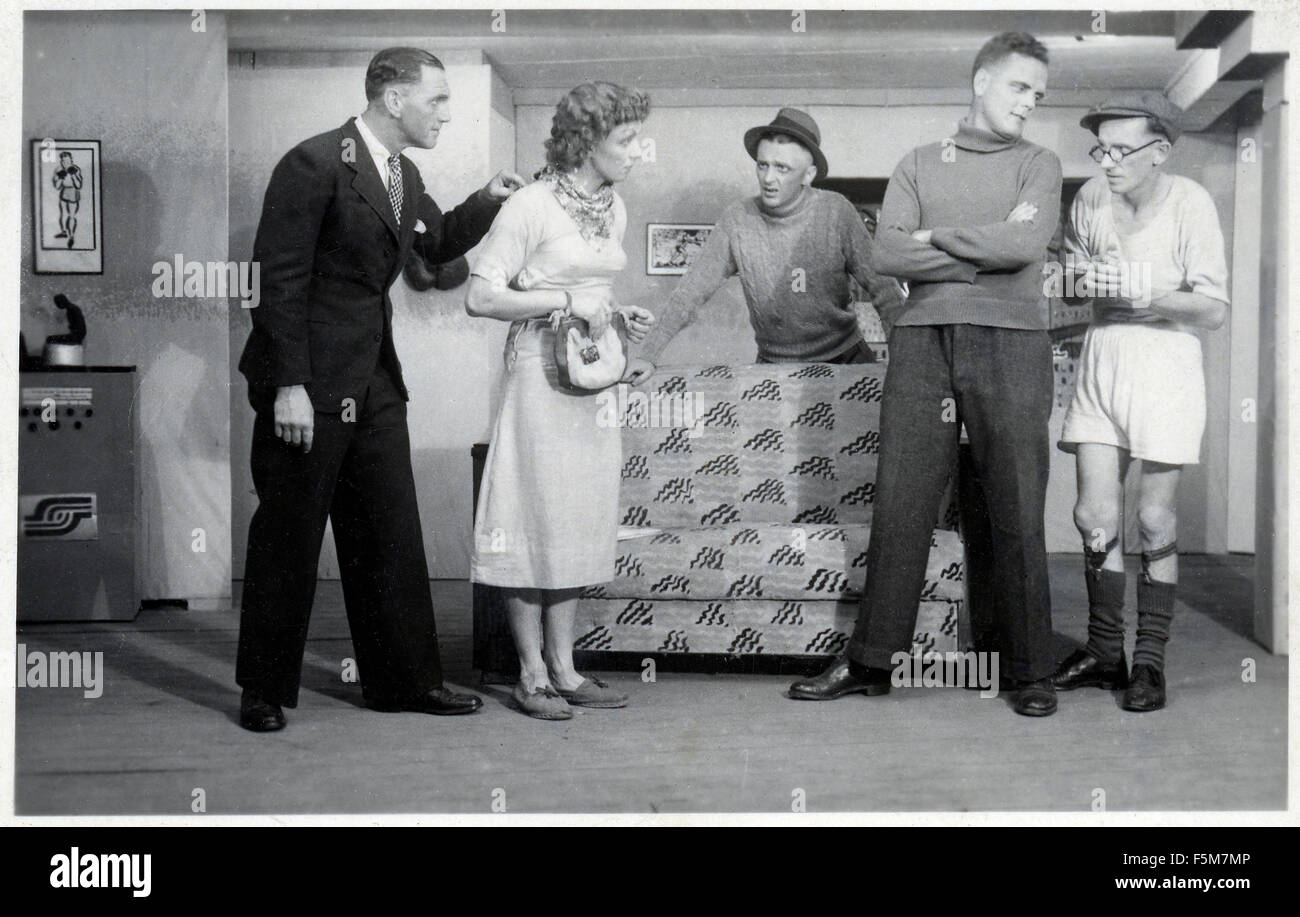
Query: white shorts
x=1140 y=388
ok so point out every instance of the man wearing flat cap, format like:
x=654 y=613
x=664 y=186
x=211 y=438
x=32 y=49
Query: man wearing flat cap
x=1146 y=247
x=790 y=226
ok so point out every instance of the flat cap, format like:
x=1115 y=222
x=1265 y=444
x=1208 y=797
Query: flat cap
x=1144 y=103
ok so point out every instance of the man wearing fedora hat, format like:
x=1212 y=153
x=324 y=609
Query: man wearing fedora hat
x=1148 y=251
x=967 y=222
x=794 y=247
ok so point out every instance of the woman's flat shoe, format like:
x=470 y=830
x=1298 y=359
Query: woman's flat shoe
x=542 y=703
x=595 y=693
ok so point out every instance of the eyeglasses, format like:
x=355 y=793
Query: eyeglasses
x=1100 y=155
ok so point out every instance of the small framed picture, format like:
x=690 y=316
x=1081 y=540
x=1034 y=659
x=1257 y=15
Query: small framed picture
x=67 y=207
x=671 y=247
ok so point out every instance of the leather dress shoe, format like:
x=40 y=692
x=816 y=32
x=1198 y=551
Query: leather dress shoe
x=838 y=680
x=438 y=701
x=1081 y=669
x=1146 y=689
x=259 y=715
x=1036 y=698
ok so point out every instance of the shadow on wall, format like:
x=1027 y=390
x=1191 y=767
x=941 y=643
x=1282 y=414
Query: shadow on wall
x=454 y=370
x=243 y=497
x=180 y=402
x=182 y=405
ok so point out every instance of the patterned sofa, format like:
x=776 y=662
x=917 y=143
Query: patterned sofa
x=746 y=508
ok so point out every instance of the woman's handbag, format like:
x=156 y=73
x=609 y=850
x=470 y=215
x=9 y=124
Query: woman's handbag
x=585 y=365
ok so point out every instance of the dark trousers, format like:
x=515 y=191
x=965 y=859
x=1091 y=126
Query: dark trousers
x=977 y=536
x=998 y=382
x=357 y=475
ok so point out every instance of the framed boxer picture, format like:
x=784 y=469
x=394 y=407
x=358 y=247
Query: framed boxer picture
x=67 y=207
x=670 y=247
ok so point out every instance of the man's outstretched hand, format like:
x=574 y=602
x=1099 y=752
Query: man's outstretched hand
x=638 y=322
x=294 y=416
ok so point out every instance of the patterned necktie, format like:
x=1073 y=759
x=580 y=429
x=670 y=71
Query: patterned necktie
x=395 y=185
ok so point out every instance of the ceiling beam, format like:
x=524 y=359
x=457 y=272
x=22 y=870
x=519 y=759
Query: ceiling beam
x=1212 y=105
x=1205 y=28
x=1245 y=51
x=256 y=30
x=875 y=98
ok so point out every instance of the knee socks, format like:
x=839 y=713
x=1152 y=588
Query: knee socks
x=1155 y=611
x=1105 y=605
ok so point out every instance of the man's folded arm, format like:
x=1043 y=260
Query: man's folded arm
x=1011 y=245
x=709 y=271
x=895 y=252
x=285 y=249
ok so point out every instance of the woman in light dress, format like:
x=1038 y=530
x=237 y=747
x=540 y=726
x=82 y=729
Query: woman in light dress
x=548 y=506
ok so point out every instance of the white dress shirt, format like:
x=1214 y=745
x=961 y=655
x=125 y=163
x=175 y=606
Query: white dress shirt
x=378 y=152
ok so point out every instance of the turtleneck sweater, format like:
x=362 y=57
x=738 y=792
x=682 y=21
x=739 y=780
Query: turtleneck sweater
x=977 y=268
x=794 y=265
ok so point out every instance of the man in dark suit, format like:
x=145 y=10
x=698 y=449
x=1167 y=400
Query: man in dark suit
x=343 y=212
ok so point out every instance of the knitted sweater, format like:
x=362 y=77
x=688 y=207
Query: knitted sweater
x=977 y=268
x=794 y=268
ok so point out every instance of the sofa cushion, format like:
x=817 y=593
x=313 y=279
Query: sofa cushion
x=793 y=443
x=747 y=561
x=771 y=627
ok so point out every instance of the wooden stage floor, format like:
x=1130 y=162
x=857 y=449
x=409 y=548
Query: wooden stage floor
x=166 y=724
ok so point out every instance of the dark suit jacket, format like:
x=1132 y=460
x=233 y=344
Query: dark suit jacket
x=329 y=249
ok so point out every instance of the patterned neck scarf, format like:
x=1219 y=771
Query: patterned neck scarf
x=594 y=213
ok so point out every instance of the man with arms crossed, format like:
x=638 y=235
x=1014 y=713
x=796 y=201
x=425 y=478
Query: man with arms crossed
x=967 y=222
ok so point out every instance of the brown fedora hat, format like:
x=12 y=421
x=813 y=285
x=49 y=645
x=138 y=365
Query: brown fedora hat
x=792 y=123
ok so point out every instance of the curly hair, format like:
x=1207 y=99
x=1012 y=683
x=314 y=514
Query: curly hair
x=586 y=115
x=1006 y=44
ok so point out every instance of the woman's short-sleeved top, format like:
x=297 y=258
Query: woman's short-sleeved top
x=535 y=245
